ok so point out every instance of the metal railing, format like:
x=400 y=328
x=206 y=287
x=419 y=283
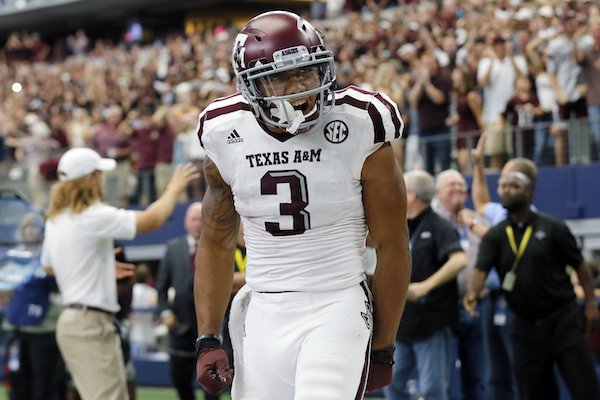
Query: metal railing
x=536 y=142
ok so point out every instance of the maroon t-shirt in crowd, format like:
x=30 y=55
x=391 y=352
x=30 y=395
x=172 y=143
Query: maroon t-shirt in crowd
x=106 y=138
x=145 y=144
x=166 y=141
x=467 y=126
x=467 y=121
x=432 y=117
x=592 y=75
x=522 y=121
x=153 y=145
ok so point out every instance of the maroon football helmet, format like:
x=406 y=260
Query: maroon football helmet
x=271 y=44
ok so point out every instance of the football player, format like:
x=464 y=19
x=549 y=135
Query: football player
x=308 y=169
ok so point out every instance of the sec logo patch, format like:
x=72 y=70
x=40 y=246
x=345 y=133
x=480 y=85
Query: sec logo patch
x=336 y=131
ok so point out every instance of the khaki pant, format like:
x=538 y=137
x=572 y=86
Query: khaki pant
x=499 y=140
x=91 y=348
x=162 y=176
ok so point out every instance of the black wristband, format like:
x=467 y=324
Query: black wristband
x=208 y=341
x=383 y=356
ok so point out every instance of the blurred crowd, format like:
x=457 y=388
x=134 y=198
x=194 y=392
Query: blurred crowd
x=527 y=73
x=454 y=68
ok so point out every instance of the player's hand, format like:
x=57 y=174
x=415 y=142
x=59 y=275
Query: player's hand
x=212 y=371
x=380 y=373
x=212 y=367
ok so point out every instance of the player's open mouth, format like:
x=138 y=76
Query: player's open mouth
x=301 y=105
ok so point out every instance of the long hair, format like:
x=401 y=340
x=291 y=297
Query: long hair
x=469 y=81
x=74 y=196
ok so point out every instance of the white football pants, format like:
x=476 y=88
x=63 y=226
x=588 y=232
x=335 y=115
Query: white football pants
x=301 y=346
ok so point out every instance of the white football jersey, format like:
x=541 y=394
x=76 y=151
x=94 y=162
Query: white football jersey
x=300 y=196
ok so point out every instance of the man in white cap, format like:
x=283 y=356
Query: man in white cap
x=78 y=248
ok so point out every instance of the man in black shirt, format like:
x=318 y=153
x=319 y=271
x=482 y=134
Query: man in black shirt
x=531 y=252
x=424 y=337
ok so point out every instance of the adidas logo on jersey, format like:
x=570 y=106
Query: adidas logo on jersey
x=234 y=137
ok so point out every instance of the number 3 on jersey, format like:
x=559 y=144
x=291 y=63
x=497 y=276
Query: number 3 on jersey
x=298 y=200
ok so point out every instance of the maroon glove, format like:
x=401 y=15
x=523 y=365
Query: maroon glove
x=380 y=373
x=212 y=366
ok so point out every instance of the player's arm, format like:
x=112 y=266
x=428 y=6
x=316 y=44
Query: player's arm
x=213 y=279
x=384 y=197
x=239 y=280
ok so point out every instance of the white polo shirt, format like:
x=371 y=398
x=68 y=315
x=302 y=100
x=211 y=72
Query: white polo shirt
x=500 y=89
x=79 y=248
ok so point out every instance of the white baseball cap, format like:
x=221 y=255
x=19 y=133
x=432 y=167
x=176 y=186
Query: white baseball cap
x=79 y=162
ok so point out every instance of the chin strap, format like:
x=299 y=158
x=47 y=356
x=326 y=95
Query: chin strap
x=283 y=111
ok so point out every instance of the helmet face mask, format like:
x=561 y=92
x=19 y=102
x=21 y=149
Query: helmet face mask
x=274 y=84
x=277 y=51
